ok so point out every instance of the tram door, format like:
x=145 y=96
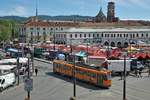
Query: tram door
x=100 y=80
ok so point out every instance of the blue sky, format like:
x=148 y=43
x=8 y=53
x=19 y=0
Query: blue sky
x=125 y=9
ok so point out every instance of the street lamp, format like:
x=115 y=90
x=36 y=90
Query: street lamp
x=54 y=39
x=108 y=51
x=124 y=81
x=74 y=73
x=18 y=68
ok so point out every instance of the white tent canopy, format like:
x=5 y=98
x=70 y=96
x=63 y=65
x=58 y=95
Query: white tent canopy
x=14 y=61
x=7 y=67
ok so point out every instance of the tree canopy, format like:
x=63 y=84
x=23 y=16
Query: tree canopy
x=8 y=28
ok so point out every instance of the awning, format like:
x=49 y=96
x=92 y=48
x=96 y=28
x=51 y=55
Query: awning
x=81 y=54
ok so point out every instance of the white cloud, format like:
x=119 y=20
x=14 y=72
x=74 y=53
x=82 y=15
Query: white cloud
x=16 y=11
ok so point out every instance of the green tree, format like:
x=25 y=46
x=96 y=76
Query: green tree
x=4 y=30
x=8 y=30
x=4 y=33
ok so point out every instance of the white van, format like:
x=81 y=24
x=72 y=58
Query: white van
x=7 y=76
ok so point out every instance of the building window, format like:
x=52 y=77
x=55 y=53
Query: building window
x=51 y=28
x=130 y=35
x=31 y=28
x=137 y=35
x=114 y=35
x=38 y=28
x=117 y=35
x=70 y=35
x=147 y=35
x=85 y=35
x=93 y=35
x=133 y=36
x=142 y=35
x=97 y=35
x=64 y=35
x=61 y=28
x=56 y=28
x=38 y=36
x=31 y=36
x=102 y=35
x=44 y=28
x=75 y=35
x=120 y=35
x=126 y=35
x=111 y=35
x=89 y=35
x=80 y=35
x=44 y=36
x=105 y=35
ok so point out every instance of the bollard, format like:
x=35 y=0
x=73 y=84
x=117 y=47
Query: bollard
x=26 y=98
x=72 y=98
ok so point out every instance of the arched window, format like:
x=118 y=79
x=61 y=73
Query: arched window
x=113 y=44
x=119 y=44
x=126 y=44
x=106 y=43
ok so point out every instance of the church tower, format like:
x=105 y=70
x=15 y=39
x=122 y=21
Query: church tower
x=110 y=11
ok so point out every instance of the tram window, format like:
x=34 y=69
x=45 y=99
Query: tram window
x=77 y=71
x=104 y=77
x=88 y=73
x=108 y=76
x=80 y=72
x=93 y=75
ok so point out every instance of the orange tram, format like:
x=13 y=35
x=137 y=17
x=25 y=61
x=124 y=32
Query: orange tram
x=88 y=74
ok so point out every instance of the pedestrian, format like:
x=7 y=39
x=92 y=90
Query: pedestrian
x=140 y=73
x=136 y=72
x=149 y=72
x=121 y=75
x=36 y=71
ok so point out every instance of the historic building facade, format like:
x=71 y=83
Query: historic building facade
x=41 y=31
x=114 y=37
x=103 y=32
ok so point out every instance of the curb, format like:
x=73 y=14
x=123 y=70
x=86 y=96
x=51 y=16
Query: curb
x=45 y=61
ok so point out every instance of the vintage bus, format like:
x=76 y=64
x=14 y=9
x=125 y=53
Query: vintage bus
x=89 y=74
